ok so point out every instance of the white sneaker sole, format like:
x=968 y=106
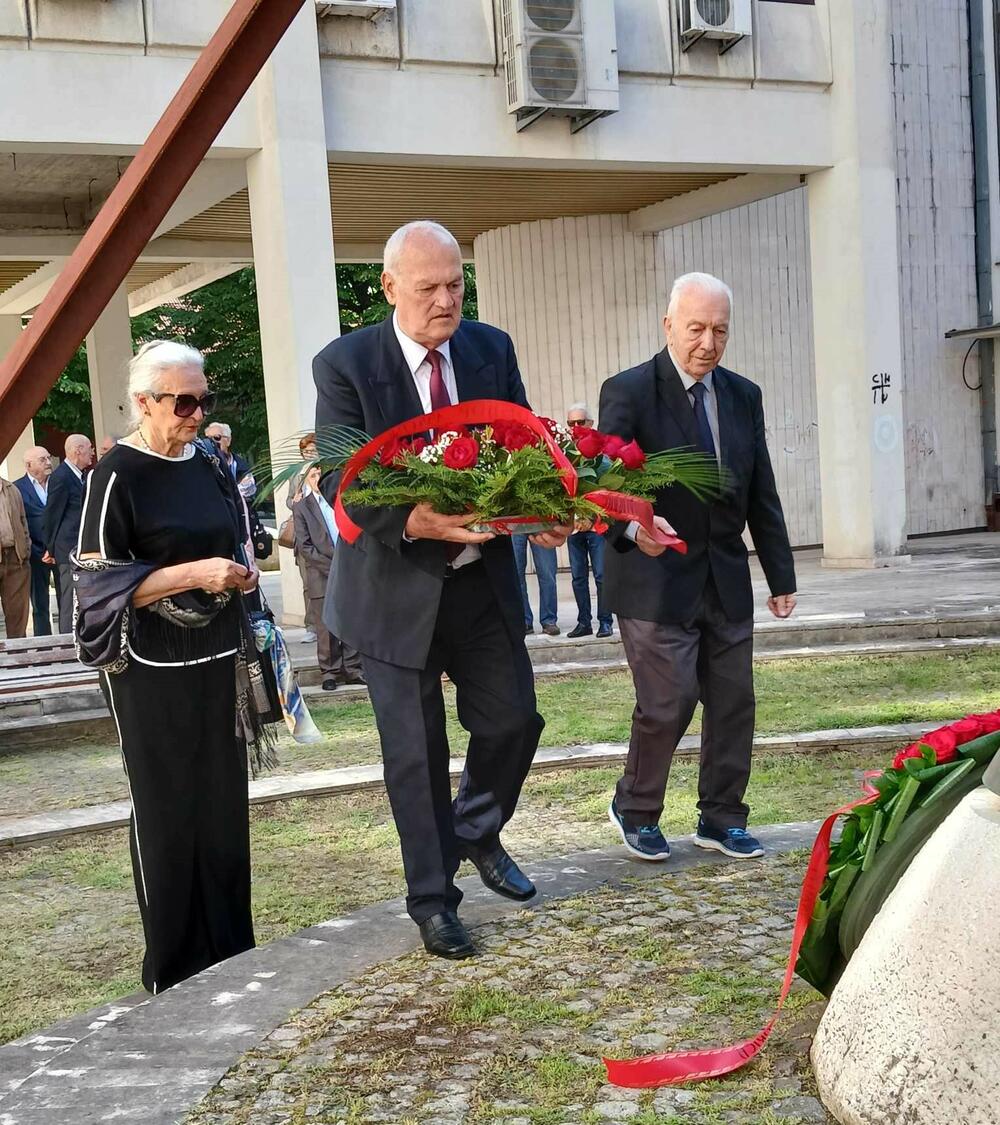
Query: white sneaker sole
x=716 y=846
x=658 y=858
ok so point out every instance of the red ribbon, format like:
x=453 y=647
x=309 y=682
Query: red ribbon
x=690 y=1066
x=483 y=412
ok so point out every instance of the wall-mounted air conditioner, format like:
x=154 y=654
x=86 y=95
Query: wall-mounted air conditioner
x=560 y=57
x=727 y=21
x=367 y=9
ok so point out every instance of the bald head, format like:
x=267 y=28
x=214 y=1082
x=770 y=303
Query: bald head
x=79 y=450
x=38 y=463
x=423 y=279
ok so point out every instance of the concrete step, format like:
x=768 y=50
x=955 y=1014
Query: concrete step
x=43 y=715
x=33 y=829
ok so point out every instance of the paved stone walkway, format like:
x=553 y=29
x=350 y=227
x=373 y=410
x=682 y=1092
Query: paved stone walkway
x=516 y=1035
x=611 y=955
x=17 y=831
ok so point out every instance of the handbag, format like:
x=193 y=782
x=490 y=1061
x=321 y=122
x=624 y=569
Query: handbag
x=263 y=544
x=286 y=532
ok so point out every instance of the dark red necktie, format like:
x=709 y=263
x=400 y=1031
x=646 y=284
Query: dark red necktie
x=440 y=399
x=439 y=392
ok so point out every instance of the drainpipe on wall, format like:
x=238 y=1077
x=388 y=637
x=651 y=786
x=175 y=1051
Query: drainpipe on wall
x=978 y=31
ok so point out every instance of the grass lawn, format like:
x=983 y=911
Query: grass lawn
x=792 y=695
x=72 y=937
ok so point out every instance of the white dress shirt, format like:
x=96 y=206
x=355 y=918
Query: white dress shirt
x=79 y=472
x=420 y=369
x=41 y=490
x=711 y=410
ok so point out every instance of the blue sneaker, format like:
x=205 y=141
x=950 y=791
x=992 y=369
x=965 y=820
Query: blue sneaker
x=735 y=842
x=645 y=842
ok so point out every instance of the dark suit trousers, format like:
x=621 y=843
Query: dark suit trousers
x=673 y=666
x=41 y=580
x=496 y=704
x=64 y=589
x=336 y=660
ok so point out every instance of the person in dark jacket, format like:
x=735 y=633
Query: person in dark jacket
x=34 y=489
x=315 y=540
x=419 y=594
x=62 y=518
x=686 y=620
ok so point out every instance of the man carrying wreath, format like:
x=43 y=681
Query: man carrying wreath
x=419 y=594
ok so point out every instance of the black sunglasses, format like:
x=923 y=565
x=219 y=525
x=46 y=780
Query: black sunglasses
x=186 y=405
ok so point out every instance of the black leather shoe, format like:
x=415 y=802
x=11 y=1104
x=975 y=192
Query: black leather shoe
x=445 y=936
x=329 y=684
x=580 y=631
x=499 y=872
x=605 y=631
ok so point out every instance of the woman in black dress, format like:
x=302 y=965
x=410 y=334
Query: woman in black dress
x=160 y=521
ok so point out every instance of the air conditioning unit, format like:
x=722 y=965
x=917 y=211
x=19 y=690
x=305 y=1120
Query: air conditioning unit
x=560 y=58
x=727 y=21
x=367 y=9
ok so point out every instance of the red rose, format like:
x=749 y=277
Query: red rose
x=944 y=744
x=514 y=436
x=589 y=442
x=632 y=457
x=989 y=722
x=912 y=751
x=418 y=445
x=462 y=453
x=969 y=728
x=613 y=446
x=390 y=452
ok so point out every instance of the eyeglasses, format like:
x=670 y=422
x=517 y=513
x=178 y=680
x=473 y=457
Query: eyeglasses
x=186 y=405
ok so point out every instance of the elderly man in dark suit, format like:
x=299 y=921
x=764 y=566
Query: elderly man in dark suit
x=34 y=489
x=315 y=539
x=420 y=594
x=62 y=518
x=687 y=620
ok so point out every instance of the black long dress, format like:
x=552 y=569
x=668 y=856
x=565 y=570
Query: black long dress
x=174 y=706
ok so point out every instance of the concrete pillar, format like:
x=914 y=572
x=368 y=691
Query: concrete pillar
x=293 y=248
x=109 y=349
x=855 y=298
x=13 y=465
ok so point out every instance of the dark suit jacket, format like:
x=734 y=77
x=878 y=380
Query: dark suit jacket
x=384 y=593
x=62 y=513
x=313 y=542
x=649 y=403
x=34 y=510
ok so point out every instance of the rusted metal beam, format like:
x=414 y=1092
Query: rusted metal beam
x=220 y=77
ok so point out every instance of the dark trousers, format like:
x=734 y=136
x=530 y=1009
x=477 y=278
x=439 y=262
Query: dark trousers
x=586 y=554
x=64 y=592
x=545 y=562
x=41 y=580
x=673 y=666
x=496 y=705
x=336 y=660
x=190 y=834
x=313 y=615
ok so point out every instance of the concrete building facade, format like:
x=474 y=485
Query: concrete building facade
x=835 y=161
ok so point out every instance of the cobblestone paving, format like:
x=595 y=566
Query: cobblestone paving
x=515 y=1036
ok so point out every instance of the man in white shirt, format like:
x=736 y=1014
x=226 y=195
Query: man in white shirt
x=62 y=518
x=34 y=489
x=419 y=594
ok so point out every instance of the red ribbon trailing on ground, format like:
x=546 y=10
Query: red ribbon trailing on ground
x=677 y=1067
x=481 y=412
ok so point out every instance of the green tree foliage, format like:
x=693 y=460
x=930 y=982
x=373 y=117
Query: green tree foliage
x=221 y=321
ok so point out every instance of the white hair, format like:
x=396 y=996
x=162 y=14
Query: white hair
x=397 y=241
x=227 y=430
x=145 y=371
x=703 y=281
x=583 y=408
